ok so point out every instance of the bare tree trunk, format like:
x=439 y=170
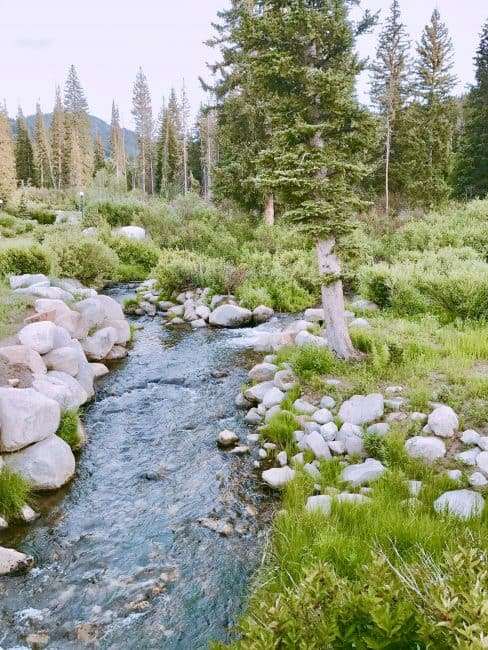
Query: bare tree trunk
x=269 y=211
x=333 y=302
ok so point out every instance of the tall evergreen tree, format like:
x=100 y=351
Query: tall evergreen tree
x=58 y=140
x=99 y=154
x=24 y=152
x=143 y=117
x=117 y=147
x=302 y=67
x=169 y=167
x=207 y=127
x=433 y=117
x=42 y=148
x=185 y=127
x=8 y=180
x=472 y=162
x=390 y=91
x=77 y=122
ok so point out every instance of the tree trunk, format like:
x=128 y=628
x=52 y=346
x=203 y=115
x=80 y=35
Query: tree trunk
x=269 y=212
x=333 y=302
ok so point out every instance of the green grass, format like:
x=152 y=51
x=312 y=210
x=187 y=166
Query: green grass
x=14 y=492
x=13 y=309
x=68 y=429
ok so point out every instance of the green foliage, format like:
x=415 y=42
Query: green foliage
x=85 y=258
x=14 y=492
x=309 y=360
x=280 y=429
x=19 y=259
x=69 y=429
x=143 y=254
x=115 y=213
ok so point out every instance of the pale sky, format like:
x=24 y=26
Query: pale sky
x=108 y=40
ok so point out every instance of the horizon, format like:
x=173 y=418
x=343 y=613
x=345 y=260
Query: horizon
x=170 y=49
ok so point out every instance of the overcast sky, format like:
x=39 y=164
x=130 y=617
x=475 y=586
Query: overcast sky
x=108 y=39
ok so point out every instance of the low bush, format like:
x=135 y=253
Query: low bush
x=14 y=492
x=141 y=254
x=19 y=259
x=280 y=428
x=117 y=213
x=43 y=217
x=309 y=360
x=69 y=429
x=85 y=258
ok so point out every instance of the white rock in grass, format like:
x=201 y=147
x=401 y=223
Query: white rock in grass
x=478 y=480
x=454 y=474
x=132 y=232
x=274 y=410
x=362 y=409
x=278 y=477
x=26 y=417
x=349 y=429
x=357 y=499
x=25 y=356
x=282 y=458
x=122 y=328
x=46 y=465
x=285 y=379
x=98 y=345
x=304 y=338
x=321 y=503
x=483 y=443
x=482 y=462
x=256 y=393
x=327 y=402
x=322 y=416
x=363 y=473
x=253 y=417
x=443 y=421
x=416 y=416
x=65 y=359
x=273 y=397
x=230 y=316
x=3 y=523
x=263 y=372
x=317 y=445
x=12 y=562
x=380 y=429
x=460 y=503
x=427 y=448
x=468 y=457
x=329 y=431
x=298 y=436
x=470 y=437
x=360 y=323
x=312 y=470
x=28 y=515
x=337 y=447
x=227 y=438
x=304 y=407
x=298 y=459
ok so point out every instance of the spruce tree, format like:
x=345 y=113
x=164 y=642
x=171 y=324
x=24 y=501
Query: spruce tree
x=117 y=147
x=185 y=119
x=143 y=117
x=390 y=91
x=302 y=67
x=207 y=127
x=42 y=148
x=78 y=123
x=169 y=168
x=472 y=162
x=58 y=140
x=433 y=117
x=99 y=155
x=8 y=180
x=24 y=152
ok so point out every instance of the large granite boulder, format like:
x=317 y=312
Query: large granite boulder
x=98 y=345
x=20 y=354
x=44 y=336
x=230 y=316
x=12 y=562
x=362 y=409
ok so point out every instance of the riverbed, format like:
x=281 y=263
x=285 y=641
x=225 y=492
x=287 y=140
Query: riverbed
x=154 y=543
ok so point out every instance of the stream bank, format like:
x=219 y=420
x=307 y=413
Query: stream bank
x=125 y=556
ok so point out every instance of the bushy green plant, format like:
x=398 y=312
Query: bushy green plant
x=117 y=213
x=85 y=258
x=14 y=492
x=69 y=429
x=19 y=259
x=42 y=216
x=309 y=360
x=143 y=254
x=280 y=428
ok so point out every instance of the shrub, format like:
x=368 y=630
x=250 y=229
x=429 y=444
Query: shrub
x=85 y=258
x=14 y=492
x=118 y=214
x=280 y=429
x=44 y=217
x=252 y=296
x=179 y=270
x=18 y=259
x=309 y=360
x=68 y=429
x=142 y=254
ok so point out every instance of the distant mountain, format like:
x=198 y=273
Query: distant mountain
x=98 y=126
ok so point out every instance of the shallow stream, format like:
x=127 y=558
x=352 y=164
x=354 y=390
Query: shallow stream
x=123 y=559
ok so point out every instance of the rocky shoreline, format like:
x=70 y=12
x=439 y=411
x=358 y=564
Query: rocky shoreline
x=49 y=369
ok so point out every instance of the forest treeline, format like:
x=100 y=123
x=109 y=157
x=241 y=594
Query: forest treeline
x=420 y=144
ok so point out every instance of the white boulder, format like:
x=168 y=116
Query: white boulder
x=256 y=393
x=273 y=397
x=362 y=409
x=314 y=315
x=304 y=338
x=320 y=503
x=317 y=445
x=227 y=438
x=322 y=416
x=363 y=473
x=65 y=359
x=98 y=345
x=63 y=388
x=25 y=356
x=46 y=465
x=40 y=337
x=278 y=477
x=443 y=421
x=304 y=407
x=230 y=316
x=26 y=280
x=263 y=372
x=132 y=232
x=26 y=417
x=482 y=462
x=463 y=504
x=262 y=314
x=427 y=448
x=12 y=561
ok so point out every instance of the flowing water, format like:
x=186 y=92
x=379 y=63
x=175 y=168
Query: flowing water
x=123 y=558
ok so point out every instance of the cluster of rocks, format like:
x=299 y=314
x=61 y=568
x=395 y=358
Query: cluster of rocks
x=326 y=429
x=50 y=368
x=197 y=308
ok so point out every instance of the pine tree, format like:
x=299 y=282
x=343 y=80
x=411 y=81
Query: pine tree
x=58 y=140
x=169 y=168
x=433 y=117
x=117 y=147
x=24 y=152
x=42 y=148
x=207 y=126
x=302 y=67
x=472 y=162
x=390 y=91
x=99 y=155
x=8 y=180
x=185 y=119
x=143 y=117
x=78 y=123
